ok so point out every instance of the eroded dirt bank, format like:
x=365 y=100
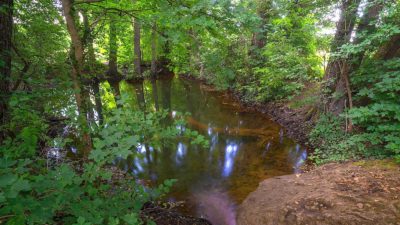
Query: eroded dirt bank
x=349 y=193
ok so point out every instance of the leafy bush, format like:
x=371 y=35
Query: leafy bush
x=334 y=143
x=31 y=193
x=327 y=135
x=290 y=56
x=380 y=117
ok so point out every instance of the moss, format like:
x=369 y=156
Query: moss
x=382 y=164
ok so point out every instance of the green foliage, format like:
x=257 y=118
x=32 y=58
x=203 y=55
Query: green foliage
x=211 y=40
x=32 y=193
x=333 y=143
x=375 y=85
x=381 y=116
x=289 y=57
x=29 y=195
x=216 y=48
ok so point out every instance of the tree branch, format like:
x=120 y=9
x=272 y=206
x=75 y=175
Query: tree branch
x=87 y=1
x=24 y=69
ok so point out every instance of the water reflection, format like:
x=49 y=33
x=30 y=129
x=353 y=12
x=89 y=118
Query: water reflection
x=297 y=157
x=245 y=148
x=230 y=153
x=216 y=206
x=181 y=152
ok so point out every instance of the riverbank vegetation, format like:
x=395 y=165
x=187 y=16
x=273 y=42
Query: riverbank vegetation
x=61 y=63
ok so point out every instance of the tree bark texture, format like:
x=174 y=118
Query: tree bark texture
x=6 y=30
x=112 y=66
x=77 y=57
x=154 y=50
x=365 y=27
x=137 y=50
x=334 y=79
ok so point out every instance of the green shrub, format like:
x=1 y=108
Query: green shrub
x=32 y=193
x=332 y=142
x=290 y=58
x=380 y=117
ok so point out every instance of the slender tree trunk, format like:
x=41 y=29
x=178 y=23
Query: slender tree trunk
x=97 y=98
x=112 y=73
x=334 y=81
x=6 y=29
x=137 y=51
x=154 y=50
x=112 y=64
x=77 y=51
x=89 y=65
x=81 y=94
x=345 y=78
x=263 y=10
x=87 y=40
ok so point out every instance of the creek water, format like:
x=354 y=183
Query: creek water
x=246 y=147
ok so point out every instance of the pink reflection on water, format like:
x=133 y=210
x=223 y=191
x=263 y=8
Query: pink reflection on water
x=215 y=206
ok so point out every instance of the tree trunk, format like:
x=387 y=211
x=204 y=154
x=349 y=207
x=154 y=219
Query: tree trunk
x=97 y=99
x=6 y=29
x=137 y=51
x=334 y=82
x=390 y=49
x=77 y=57
x=112 y=64
x=154 y=51
x=77 y=51
x=90 y=66
x=88 y=43
x=113 y=76
x=365 y=27
x=260 y=37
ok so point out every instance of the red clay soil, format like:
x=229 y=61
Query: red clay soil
x=360 y=193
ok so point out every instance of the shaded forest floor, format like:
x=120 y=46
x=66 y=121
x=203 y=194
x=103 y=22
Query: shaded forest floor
x=364 y=192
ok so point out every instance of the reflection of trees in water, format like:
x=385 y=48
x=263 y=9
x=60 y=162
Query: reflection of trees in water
x=189 y=100
x=154 y=90
x=140 y=95
x=166 y=94
x=296 y=157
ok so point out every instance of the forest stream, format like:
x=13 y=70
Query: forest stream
x=200 y=112
x=245 y=148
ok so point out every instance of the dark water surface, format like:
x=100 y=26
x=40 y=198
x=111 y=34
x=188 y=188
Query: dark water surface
x=246 y=147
